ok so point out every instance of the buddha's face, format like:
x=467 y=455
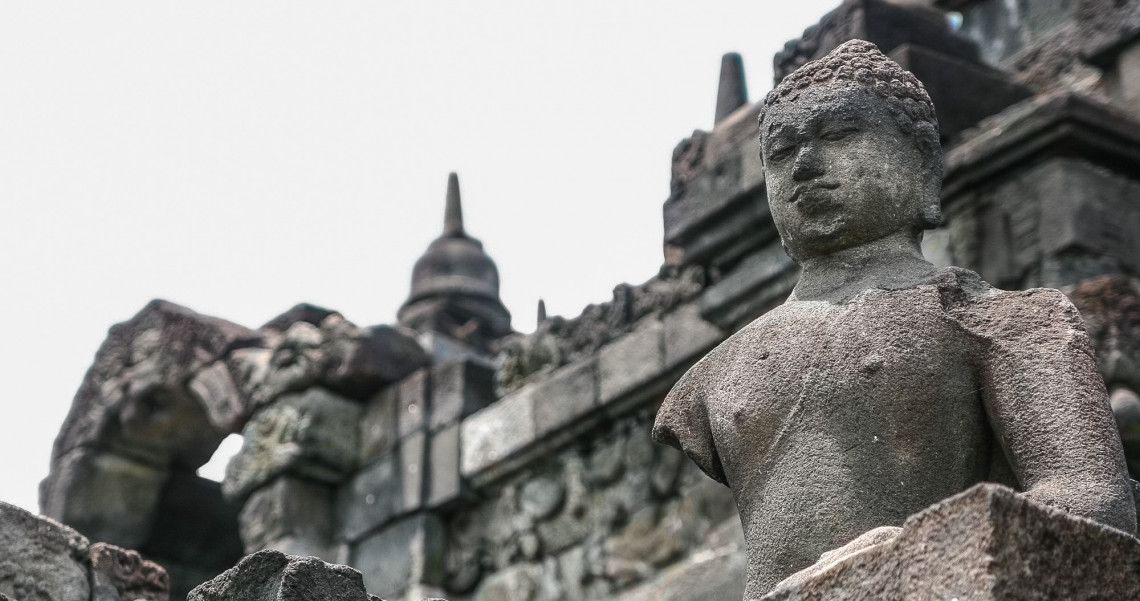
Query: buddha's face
x=840 y=172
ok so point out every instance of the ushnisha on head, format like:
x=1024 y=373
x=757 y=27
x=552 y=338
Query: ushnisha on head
x=851 y=152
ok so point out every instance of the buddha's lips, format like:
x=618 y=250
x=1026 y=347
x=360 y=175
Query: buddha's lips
x=812 y=197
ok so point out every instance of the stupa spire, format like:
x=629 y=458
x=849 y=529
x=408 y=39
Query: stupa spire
x=453 y=214
x=731 y=93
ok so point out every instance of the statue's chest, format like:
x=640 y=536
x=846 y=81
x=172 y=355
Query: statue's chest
x=892 y=362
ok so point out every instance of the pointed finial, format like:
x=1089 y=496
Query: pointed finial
x=453 y=214
x=541 y=310
x=731 y=93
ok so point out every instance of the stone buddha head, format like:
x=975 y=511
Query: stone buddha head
x=851 y=153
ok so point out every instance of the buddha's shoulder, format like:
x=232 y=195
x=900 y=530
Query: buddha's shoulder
x=989 y=311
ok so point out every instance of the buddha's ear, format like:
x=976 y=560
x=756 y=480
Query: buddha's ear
x=931 y=210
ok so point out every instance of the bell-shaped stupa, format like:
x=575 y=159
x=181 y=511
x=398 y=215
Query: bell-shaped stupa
x=455 y=285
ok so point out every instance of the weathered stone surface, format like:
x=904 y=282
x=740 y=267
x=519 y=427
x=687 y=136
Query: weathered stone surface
x=214 y=388
x=274 y=576
x=288 y=506
x=985 y=543
x=108 y=496
x=195 y=533
x=337 y=355
x=884 y=384
x=404 y=553
x=414 y=404
x=496 y=432
x=136 y=381
x=687 y=335
x=413 y=467
x=444 y=481
x=628 y=362
x=458 y=389
x=310 y=314
x=42 y=559
x=565 y=396
x=559 y=341
x=379 y=430
x=882 y=22
x=313 y=433
x=122 y=574
x=372 y=497
x=964 y=92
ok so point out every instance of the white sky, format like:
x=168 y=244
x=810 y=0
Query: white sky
x=240 y=157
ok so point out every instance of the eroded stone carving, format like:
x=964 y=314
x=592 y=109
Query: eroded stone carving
x=558 y=341
x=884 y=384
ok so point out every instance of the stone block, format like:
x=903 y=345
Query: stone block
x=371 y=498
x=566 y=395
x=287 y=507
x=631 y=361
x=215 y=390
x=274 y=576
x=414 y=405
x=985 y=543
x=195 y=529
x=710 y=576
x=403 y=554
x=119 y=574
x=313 y=433
x=444 y=481
x=497 y=431
x=459 y=388
x=108 y=496
x=42 y=559
x=964 y=92
x=413 y=465
x=306 y=547
x=688 y=336
x=378 y=427
x=762 y=279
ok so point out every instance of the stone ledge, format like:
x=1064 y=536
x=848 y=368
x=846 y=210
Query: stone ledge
x=987 y=543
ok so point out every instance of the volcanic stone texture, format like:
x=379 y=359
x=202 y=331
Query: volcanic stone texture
x=986 y=543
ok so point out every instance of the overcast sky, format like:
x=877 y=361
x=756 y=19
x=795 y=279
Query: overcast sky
x=240 y=157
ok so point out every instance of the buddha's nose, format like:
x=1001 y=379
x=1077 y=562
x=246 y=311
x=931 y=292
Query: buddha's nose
x=808 y=163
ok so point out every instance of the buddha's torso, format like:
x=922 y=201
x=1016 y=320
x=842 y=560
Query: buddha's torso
x=844 y=417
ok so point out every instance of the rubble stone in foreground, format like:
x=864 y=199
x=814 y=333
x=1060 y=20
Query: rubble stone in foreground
x=987 y=543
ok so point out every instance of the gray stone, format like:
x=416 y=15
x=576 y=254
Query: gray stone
x=274 y=576
x=122 y=574
x=731 y=93
x=413 y=465
x=687 y=335
x=444 y=482
x=42 y=558
x=517 y=583
x=414 y=403
x=493 y=434
x=403 y=554
x=313 y=433
x=288 y=506
x=108 y=496
x=566 y=395
x=136 y=383
x=372 y=497
x=542 y=496
x=712 y=576
x=214 y=389
x=985 y=543
x=885 y=23
x=884 y=384
x=627 y=363
x=378 y=424
x=458 y=389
